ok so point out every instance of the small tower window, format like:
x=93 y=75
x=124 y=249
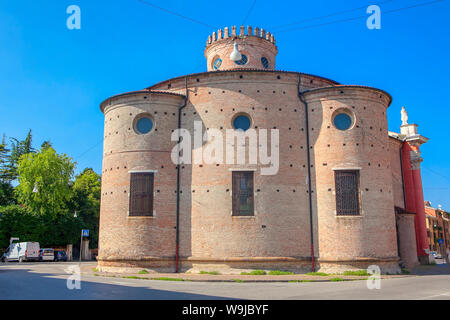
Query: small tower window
x=143 y=124
x=343 y=119
x=243 y=60
x=241 y=122
x=265 y=62
x=217 y=63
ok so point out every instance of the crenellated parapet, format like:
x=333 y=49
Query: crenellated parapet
x=243 y=32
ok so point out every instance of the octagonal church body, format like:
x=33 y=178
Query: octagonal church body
x=342 y=197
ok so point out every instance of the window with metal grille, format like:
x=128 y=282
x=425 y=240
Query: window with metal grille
x=243 y=204
x=141 y=194
x=347 y=192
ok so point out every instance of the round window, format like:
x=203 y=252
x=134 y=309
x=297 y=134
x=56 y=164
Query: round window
x=241 y=122
x=144 y=125
x=265 y=62
x=217 y=63
x=343 y=121
x=243 y=60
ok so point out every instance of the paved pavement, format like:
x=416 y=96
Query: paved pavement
x=49 y=281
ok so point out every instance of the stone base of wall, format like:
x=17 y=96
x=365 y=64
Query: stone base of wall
x=238 y=265
x=156 y=265
x=386 y=266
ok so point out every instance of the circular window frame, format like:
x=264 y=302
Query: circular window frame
x=239 y=114
x=139 y=117
x=248 y=59
x=268 y=63
x=349 y=113
x=213 y=62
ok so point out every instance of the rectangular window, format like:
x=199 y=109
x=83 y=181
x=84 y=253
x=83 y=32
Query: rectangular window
x=243 y=204
x=347 y=192
x=141 y=194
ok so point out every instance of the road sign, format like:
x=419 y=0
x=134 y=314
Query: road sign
x=441 y=241
x=85 y=232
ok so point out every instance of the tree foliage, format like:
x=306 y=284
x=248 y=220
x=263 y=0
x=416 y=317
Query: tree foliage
x=41 y=207
x=19 y=221
x=86 y=201
x=17 y=150
x=44 y=181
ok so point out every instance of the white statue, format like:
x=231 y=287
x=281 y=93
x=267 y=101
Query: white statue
x=404 y=116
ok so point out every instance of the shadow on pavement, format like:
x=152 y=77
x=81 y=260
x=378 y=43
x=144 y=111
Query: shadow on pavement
x=25 y=285
x=436 y=269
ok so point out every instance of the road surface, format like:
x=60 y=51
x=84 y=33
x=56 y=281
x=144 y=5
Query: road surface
x=49 y=281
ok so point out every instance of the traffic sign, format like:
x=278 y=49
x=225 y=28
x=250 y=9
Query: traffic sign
x=85 y=232
x=441 y=241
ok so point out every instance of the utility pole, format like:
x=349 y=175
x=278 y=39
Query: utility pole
x=81 y=244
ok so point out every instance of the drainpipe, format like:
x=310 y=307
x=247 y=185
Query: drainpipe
x=311 y=225
x=403 y=179
x=177 y=239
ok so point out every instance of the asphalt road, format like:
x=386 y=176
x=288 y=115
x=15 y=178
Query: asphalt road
x=49 y=281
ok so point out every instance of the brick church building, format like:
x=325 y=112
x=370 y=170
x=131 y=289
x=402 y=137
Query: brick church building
x=347 y=193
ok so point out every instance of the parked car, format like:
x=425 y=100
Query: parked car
x=46 y=254
x=60 y=256
x=22 y=251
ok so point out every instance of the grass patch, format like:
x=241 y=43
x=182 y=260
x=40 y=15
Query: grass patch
x=322 y=274
x=167 y=279
x=337 y=279
x=96 y=275
x=95 y=269
x=405 y=271
x=210 y=272
x=279 y=273
x=132 y=277
x=238 y=280
x=254 y=273
x=356 y=273
x=143 y=271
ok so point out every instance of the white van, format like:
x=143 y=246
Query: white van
x=22 y=251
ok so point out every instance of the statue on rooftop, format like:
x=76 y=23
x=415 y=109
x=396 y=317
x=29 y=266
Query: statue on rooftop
x=404 y=116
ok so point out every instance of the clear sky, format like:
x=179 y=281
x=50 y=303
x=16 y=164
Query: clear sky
x=53 y=79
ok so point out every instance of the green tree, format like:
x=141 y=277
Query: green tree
x=86 y=202
x=18 y=149
x=20 y=221
x=6 y=189
x=44 y=181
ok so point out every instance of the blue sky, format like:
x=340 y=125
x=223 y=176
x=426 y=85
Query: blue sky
x=53 y=79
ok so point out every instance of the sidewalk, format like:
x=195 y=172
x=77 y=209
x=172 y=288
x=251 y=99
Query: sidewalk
x=89 y=270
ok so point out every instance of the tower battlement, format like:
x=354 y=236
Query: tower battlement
x=244 y=31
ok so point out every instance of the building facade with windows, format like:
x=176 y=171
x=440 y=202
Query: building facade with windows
x=343 y=195
x=438 y=229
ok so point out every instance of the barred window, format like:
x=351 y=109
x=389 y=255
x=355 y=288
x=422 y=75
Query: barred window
x=243 y=193
x=347 y=192
x=141 y=194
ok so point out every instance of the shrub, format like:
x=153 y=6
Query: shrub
x=356 y=273
x=323 y=274
x=167 y=279
x=336 y=279
x=143 y=271
x=210 y=272
x=279 y=273
x=255 y=273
